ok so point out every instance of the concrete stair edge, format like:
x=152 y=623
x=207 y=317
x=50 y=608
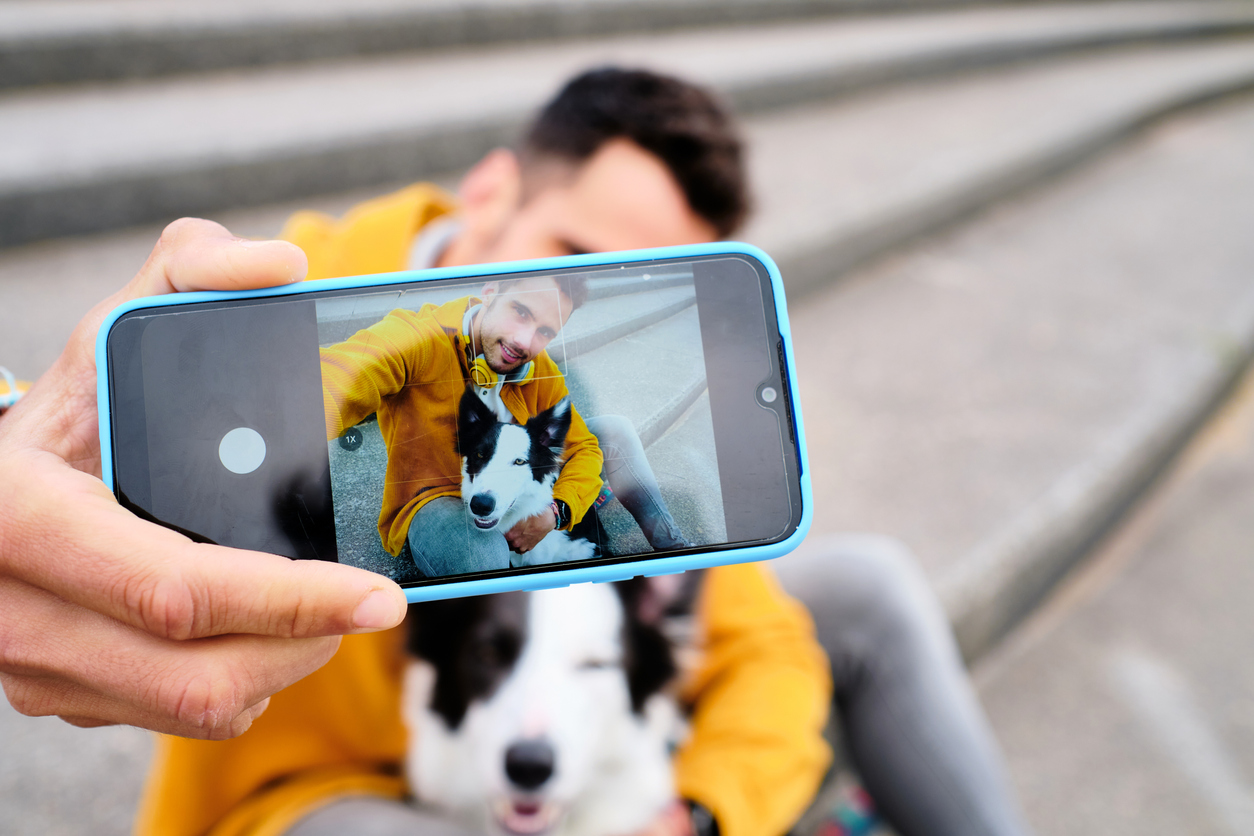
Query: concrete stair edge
x=656 y=425
x=1002 y=580
x=166 y=50
x=946 y=61
x=123 y=198
x=610 y=289
x=811 y=268
x=592 y=340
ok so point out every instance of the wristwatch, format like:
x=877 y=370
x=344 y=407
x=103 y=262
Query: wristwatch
x=563 y=514
x=703 y=821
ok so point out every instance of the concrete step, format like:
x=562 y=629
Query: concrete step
x=997 y=396
x=60 y=41
x=1138 y=670
x=83 y=159
x=620 y=378
x=625 y=317
x=844 y=183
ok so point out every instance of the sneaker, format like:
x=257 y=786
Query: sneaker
x=853 y=814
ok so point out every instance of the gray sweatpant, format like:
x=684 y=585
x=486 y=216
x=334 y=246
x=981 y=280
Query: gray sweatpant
x=911 y=724
x=910 y=721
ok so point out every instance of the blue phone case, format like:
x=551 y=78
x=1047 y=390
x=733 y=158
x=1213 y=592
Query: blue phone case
x=550 y=579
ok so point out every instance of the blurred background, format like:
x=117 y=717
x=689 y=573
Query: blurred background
x=1019 y=244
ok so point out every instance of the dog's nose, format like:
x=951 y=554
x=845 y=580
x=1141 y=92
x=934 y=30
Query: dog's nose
x=481 y=504
x=529 y=763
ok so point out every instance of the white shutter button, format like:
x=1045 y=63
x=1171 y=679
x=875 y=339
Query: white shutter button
x=242 y=450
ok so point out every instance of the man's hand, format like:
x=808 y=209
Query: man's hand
x=523 y=537
x=108 y=619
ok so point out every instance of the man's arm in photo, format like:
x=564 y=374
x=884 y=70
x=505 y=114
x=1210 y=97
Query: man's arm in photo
x=358 y=373
x=580 y=480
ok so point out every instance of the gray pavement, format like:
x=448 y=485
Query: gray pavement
x=1126 y=706
x=78 y=159
x=621 y=378
x=57 y=780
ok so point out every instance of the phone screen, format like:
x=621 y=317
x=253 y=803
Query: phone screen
x=436 y=430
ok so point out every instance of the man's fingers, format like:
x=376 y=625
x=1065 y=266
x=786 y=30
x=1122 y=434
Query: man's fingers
x=101 y=671
x=158 y=580
x=195 y=254
x=103 y=711
x=192 y=254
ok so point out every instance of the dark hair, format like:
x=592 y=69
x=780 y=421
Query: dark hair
x=680 y=123
x=575 y=286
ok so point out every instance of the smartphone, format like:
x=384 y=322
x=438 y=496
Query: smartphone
x=434 y=426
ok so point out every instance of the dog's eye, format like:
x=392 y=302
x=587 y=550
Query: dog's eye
x=497 y=649
x=520 y=462
x=597 y=664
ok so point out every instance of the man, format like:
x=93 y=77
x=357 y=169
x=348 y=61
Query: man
x=412 y=368
x=621 y=160
x=104 y=617
x=583 y=180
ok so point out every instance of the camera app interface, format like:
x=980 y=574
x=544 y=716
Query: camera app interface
x=520 y=422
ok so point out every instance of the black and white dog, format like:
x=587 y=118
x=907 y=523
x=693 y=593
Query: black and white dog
x=508 y=471
x=545 y=712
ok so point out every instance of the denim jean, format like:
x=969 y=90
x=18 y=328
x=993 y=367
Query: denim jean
x=630 y=477
x=443 y=540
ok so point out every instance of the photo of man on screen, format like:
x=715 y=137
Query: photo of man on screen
x=413 y=367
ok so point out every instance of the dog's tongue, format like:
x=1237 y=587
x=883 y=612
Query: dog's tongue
x=528 y=817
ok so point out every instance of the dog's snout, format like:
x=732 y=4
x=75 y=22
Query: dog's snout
x=529 y=763
x=481 y=504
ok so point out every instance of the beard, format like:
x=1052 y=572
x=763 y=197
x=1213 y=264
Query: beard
x=498 y=356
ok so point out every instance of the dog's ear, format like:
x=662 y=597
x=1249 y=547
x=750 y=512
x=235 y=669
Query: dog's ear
x=549 y=428
x=473 y=420
x=658 y=623
x=472 y=643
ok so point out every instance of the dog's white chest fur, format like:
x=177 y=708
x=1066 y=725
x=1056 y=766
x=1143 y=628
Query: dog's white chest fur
x=565 y=701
